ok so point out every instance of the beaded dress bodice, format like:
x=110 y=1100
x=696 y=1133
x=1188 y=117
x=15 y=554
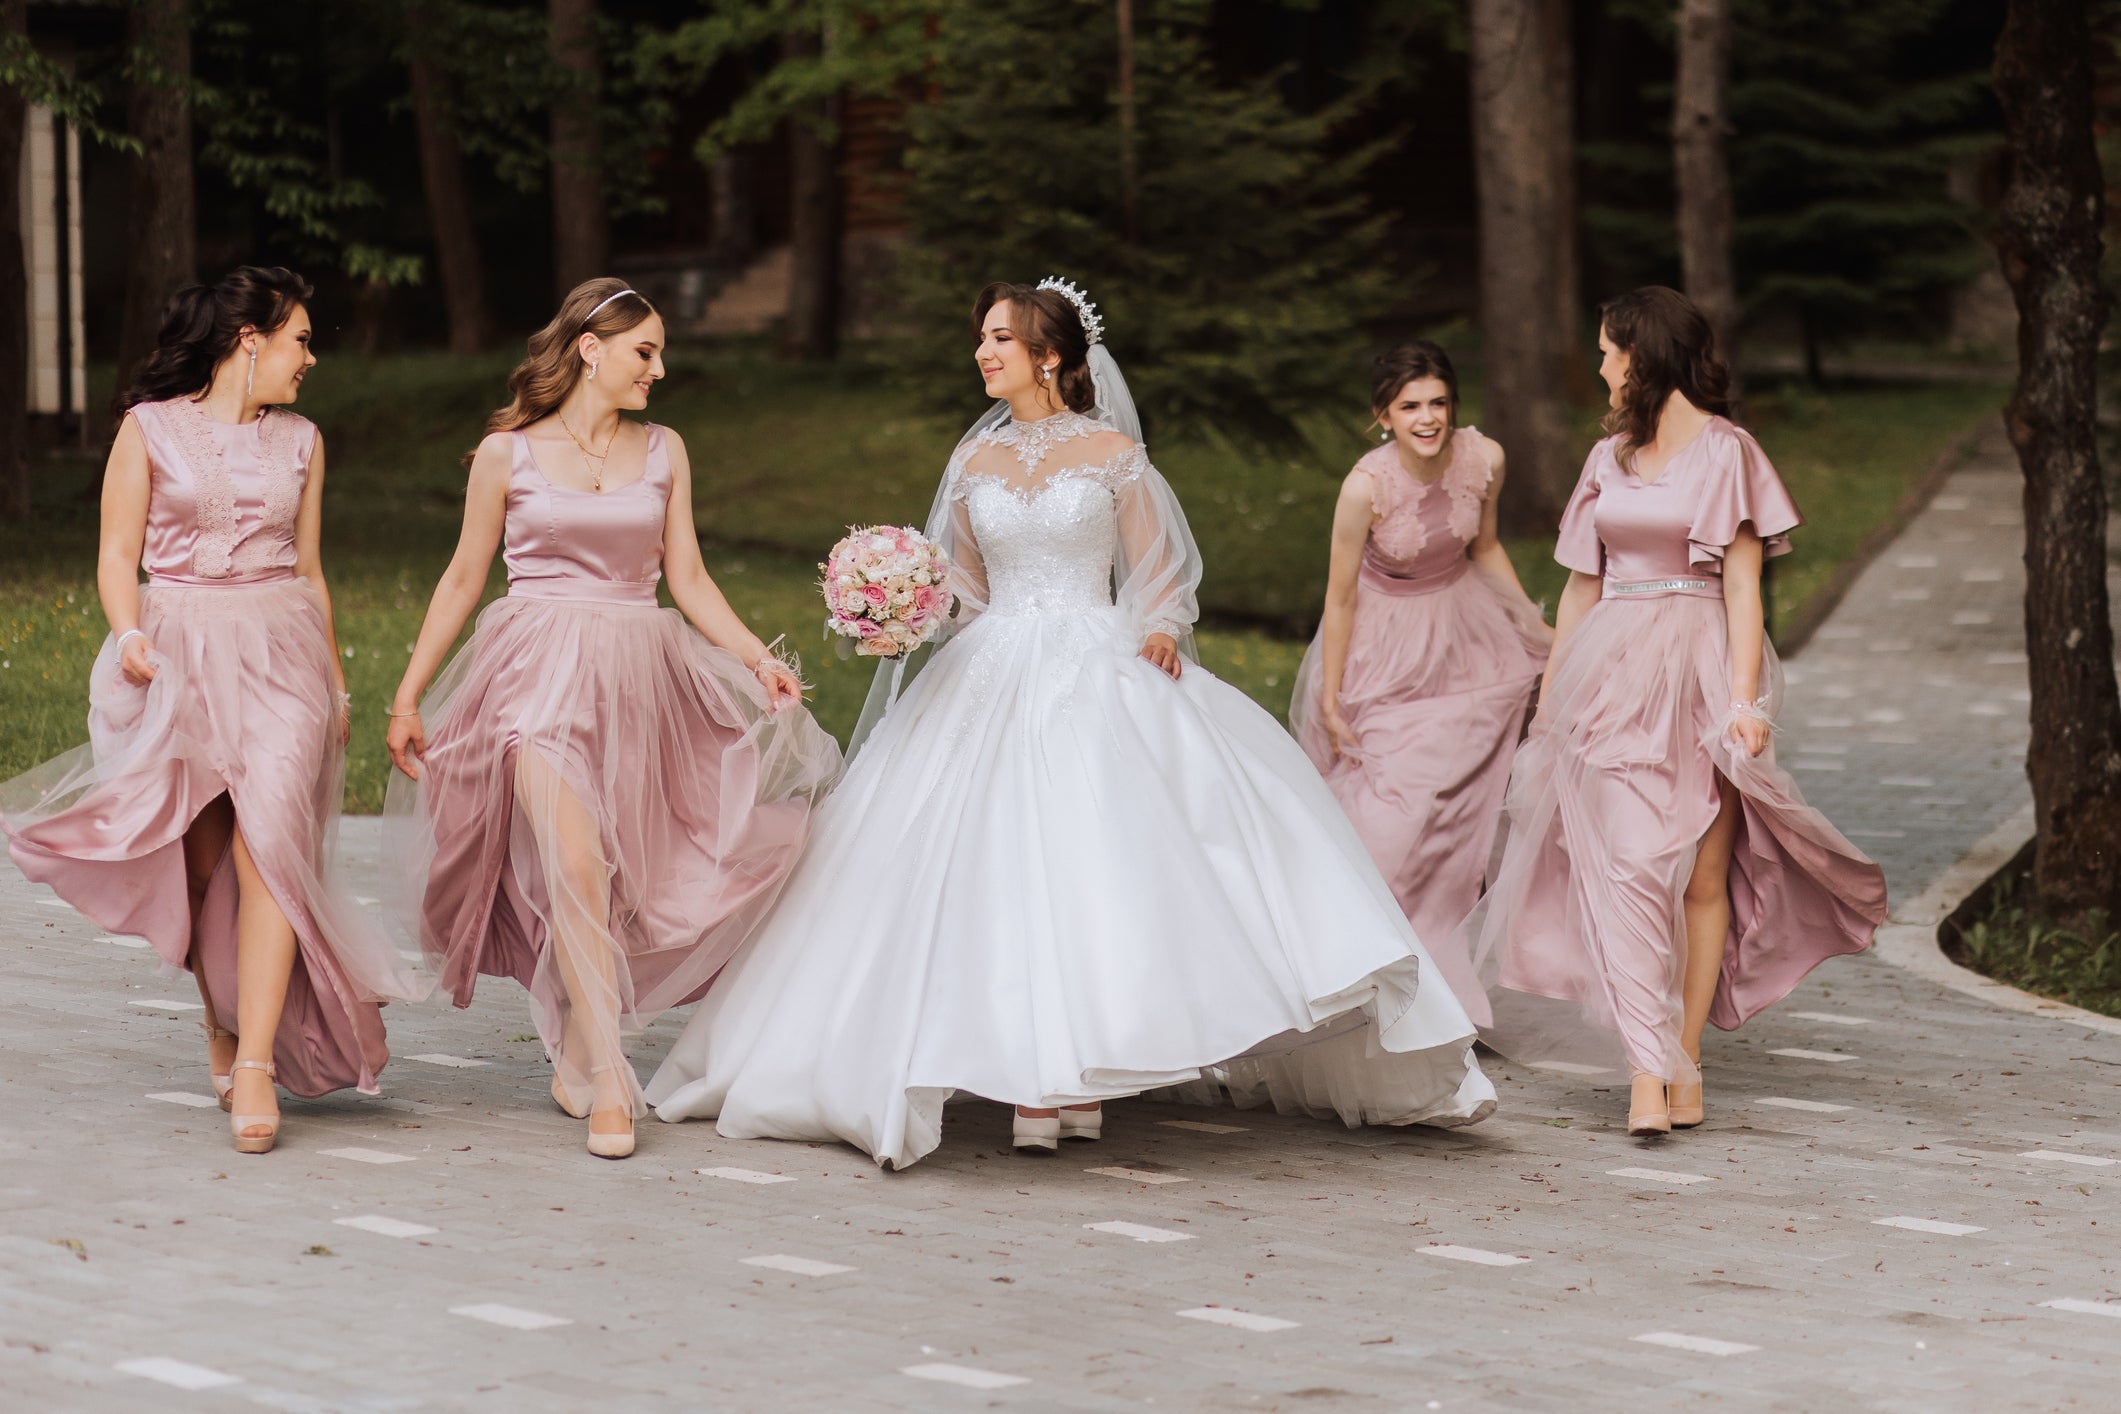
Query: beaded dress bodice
x=1048 y=527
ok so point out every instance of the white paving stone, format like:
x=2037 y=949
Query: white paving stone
x=385 y=1227
x=453 y=1062
x=963 y=1375
x=122 y=942
x=2054 y=1156
x=359 y=1155
x=1931 y=1225
x=514 y=1317
x=166 y=1004
x=1783 y=1102
x=1242 y=1320
x=1137 y=1175
x=1571 y=1067
x=1830 y=1057
x=1831 y=1018
x=736 y=1175
x=801 y=1266
x=1479 y=1256
x=1699 y=1344
x=2085 y=1308
x=1139 y=1232
x=1199 y=1126
x=177 y=1372
x=186 y=1097
x=1660 y=1176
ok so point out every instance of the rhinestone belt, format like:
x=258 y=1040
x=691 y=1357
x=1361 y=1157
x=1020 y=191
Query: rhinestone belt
x=1657 y=586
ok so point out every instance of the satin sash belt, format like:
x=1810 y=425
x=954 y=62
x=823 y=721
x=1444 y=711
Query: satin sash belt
x=628 y=592
x=272 y=576
x=1374 y=577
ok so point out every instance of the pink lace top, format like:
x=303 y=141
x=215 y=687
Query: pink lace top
x=222 y=497
x=604 y=546
x=1677 y=526
x=1418 y=540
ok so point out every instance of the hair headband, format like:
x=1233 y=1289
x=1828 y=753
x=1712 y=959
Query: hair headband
x=609 y=298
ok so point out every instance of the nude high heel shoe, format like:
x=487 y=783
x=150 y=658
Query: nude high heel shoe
x=1687 y=1105
x=224 y=1085
x=1647 y=1122
x=604 y=1146
x=245 y=1143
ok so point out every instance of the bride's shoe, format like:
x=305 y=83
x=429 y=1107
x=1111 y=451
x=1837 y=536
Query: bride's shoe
x=224 y=1085
x=253 y=1143
x=1686 y=1102
x=1038 y=1135
x=1082 y=1123
x=1647 y=1120
x=604 y=1146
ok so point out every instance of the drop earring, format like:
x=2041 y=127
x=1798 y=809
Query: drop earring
x=592 y=370
x=250 y=384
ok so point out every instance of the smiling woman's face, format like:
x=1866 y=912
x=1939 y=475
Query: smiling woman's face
x=283 y=358
x=1419 y=417
x=627 y=365
x=1006 y=367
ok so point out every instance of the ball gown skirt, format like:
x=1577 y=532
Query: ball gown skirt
x=597 y=775
x=243 y=702
x=1583 y=932
x=1054 y=875
x=1438 y=680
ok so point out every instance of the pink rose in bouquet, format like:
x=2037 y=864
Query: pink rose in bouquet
x=885 y=587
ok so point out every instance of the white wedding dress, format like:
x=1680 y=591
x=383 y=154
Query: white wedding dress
x=1052 y=874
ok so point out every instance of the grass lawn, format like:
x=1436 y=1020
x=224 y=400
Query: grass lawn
x=784 y=459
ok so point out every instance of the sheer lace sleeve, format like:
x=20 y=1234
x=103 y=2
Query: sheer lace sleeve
x=1158 y=565
x=968 y=567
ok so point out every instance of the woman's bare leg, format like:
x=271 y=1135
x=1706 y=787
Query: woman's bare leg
x=265 y=959
x=1708 y=918
x=204 y=844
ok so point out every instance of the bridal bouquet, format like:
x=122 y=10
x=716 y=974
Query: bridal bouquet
x=886 y=588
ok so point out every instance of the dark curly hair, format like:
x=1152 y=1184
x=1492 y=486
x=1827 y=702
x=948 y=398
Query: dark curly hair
x=1670 y=348
x=1046 y=322
x=200 y=327
x=1402 y=364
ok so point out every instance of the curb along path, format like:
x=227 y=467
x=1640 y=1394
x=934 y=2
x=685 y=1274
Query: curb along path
x=1903 y=1200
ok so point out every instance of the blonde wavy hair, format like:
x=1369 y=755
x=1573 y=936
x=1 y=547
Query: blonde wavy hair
x=549 y=372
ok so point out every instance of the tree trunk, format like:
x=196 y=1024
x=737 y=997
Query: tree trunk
x=2048 y=234
x=581 y=222
x=161 y=248
x=1129 y=169
x=734 y=235
x=814 y=221
x=14 y=287
x=1701 y=119
x=1522 y=130
x=457 y=255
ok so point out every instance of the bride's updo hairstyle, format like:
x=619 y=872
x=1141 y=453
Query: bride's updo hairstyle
x=1670 y=348
x=542 y=381
x=1045 y=322
x=200 y=327
x=1402 y=364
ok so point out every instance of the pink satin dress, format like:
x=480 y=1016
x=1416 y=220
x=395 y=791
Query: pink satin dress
x=1582 y=934
x=597 y=775
x=244 y=702
x=1441 y=666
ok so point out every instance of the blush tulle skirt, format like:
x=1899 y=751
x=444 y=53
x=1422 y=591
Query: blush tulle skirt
x=606 y=809
x=1054 y=875
x=1582 y=935
x=1436 y=688
x=243 y=703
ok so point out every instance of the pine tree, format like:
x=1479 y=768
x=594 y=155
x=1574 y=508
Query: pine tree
x=1225 y=243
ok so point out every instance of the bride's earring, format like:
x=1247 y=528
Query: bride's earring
x=592 y=371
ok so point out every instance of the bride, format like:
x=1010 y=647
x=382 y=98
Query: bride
x=1068 y=864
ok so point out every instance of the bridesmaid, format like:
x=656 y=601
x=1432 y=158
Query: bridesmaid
x=597 y=801
x=1661 y=870
x=1412 y=697
x=201 y=813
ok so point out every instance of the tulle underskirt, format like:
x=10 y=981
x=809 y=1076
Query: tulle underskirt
x=243 y=703
x=1054 y=875
x=1581 y=938
x=604 y=794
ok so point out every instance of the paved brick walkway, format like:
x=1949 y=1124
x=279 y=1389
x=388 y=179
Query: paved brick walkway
x=1903 y=1199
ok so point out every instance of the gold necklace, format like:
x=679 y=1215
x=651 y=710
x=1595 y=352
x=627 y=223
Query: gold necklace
x=596 y=472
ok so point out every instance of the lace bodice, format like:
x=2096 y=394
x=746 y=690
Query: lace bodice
x=223 y=498
x=1042 y=503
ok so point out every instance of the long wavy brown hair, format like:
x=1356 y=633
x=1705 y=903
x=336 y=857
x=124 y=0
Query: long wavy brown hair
x=550 y=370
x=1670 y=348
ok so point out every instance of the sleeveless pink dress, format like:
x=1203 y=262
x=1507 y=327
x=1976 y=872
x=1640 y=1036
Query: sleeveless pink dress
x=1440 y=671
x=1583 y=933
x=244 y=703
x=682 y=800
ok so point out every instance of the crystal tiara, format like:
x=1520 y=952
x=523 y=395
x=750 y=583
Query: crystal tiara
x=1093 y=326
